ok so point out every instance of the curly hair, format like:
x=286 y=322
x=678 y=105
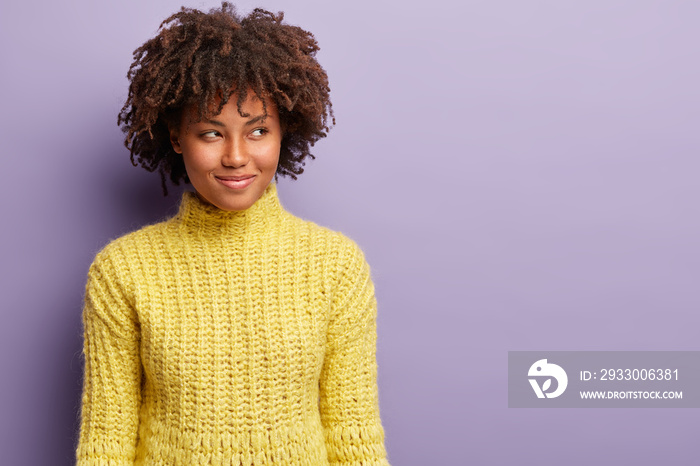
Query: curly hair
x=197 y=57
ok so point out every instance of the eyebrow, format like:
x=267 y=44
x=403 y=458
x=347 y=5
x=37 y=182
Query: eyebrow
x=250 y=122
x=256 y=119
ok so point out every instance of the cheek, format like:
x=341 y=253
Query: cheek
x=273 y=156
x=266 y=158
x=197 y=163
x=273 y=159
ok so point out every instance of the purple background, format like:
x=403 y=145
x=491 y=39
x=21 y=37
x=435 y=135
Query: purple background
x=522 y=175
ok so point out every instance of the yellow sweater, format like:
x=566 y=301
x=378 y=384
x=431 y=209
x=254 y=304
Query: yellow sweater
x=230 y=338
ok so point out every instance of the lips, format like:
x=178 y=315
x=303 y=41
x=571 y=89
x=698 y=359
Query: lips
x=236 y=182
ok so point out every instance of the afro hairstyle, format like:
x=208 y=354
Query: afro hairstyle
x=199 y=58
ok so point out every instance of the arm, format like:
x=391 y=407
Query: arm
x=349 y=396
x=112 y=380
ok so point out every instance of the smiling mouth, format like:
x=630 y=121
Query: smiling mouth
x=236 y=182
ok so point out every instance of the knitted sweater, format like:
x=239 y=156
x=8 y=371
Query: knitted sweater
x=230 y=338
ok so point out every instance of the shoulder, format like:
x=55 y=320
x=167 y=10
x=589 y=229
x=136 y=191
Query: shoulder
x=129 y=243
x=119 y=256
x=334 y=245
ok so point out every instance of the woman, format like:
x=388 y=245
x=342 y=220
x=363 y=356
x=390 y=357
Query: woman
x=233 y=333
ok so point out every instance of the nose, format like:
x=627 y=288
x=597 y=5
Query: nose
x=235 y=154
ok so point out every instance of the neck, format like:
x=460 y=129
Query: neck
x=206 y=218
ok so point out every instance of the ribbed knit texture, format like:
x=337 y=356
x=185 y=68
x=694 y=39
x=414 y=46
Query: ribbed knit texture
x=230 y=338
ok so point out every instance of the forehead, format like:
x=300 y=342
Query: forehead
x=251 y=107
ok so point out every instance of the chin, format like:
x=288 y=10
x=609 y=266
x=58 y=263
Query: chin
x=236 y=207
x=232 y=200
x=234 y=203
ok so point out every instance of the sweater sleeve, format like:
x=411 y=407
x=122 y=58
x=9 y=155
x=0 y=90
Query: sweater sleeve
x=112 y=378
x=348 y=386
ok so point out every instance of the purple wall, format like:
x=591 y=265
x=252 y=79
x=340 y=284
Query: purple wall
x=522 y=175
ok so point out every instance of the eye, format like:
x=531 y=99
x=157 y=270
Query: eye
x=210 y=134
x=257 y=132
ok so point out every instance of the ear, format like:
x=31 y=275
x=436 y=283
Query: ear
x=175 y=140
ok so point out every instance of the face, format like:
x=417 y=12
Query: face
x=230 y=159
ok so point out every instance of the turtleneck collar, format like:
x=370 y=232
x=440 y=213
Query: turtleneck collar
x=197 y=214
